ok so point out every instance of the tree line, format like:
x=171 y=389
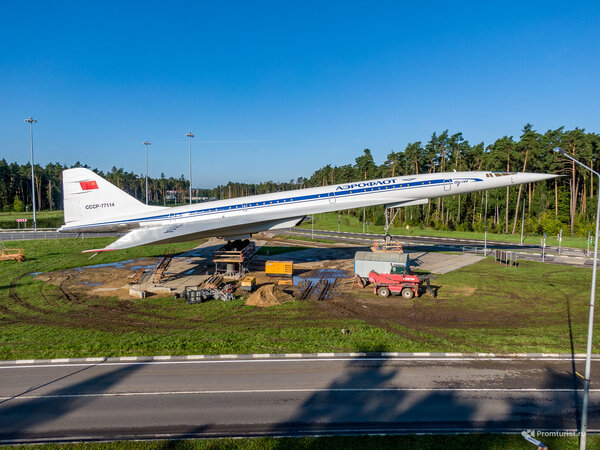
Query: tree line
x=566 y=202
x=15 y=186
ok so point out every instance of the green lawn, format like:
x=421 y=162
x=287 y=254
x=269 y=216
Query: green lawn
x=426 y=442
x=303 y=238
x=482 y=307
x=45 y=219
x=329 y=222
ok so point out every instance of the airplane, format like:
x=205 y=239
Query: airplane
x=92 y=204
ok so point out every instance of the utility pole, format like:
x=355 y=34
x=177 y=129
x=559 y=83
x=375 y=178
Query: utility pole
x=190 y=135
x=147 y=143
x=31 y=121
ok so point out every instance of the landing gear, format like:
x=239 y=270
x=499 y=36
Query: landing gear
x=388 y=221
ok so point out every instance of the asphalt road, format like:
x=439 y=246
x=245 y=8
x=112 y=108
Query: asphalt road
x=248 y=397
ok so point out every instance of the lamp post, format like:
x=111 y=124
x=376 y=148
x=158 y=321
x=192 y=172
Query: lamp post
x=588 y=355
x=31 y=121
x=190 y=135
x=147 y=143
x=485 y=228
x=523 y=220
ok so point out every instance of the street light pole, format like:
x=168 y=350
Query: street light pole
x=522 y=220
x=147 y=143
x=588 y=356
x=31 y=121
x=485 y=228
x=190 y=135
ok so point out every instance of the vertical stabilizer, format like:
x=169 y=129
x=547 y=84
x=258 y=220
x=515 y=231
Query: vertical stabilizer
x=89 y=198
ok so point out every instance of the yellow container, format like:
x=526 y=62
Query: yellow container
x=248 y=284
x=281 y=268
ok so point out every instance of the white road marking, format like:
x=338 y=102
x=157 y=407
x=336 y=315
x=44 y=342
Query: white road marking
x=441 y=359
x=279 y=391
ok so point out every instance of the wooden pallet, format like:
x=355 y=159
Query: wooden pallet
x=159 y=272
x=212 y=282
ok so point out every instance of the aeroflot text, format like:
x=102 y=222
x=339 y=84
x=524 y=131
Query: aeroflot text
x=369 y=184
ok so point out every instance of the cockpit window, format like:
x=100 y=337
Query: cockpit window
x=502 y=174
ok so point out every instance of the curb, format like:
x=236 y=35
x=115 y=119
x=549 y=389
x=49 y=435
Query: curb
x=267 y=356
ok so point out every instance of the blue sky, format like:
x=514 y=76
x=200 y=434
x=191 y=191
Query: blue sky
x=277 y=89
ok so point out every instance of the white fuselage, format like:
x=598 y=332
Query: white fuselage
x=246 y=215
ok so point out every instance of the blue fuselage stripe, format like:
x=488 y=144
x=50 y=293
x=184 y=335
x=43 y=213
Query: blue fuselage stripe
x=290 y=200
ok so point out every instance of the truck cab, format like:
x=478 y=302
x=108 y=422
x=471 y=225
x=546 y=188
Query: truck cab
x=399 y=270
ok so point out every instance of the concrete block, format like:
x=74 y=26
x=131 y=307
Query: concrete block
x=137 y=293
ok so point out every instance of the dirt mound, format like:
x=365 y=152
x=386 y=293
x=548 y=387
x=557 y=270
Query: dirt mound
x=268 y=295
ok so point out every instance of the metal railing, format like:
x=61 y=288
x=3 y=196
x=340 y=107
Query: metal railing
x=28 y=235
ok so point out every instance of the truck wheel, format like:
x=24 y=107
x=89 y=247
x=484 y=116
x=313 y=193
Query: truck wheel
x=383 y=291
x=407 y=293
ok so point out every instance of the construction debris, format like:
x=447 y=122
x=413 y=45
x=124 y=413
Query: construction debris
x=212 y=282
x=199 y=295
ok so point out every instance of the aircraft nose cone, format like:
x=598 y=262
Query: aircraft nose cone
x=532 y=177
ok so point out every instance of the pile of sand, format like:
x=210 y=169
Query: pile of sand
x=268 y=295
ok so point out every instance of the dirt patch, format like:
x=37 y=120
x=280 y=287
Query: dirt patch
x=104 y=280
x=268 y=295
x=467 y=291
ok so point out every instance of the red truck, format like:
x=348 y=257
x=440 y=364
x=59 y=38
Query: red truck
x=399 y=282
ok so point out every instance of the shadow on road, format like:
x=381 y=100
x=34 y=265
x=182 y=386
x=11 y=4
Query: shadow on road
x=364 y=401
x=20 y=416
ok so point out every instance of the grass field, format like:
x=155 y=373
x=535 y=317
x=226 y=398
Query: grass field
x=45 y=219
x=427 y=442
x=483 y=307
x=329 y=222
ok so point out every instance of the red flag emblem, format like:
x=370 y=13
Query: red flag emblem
x=87 y=185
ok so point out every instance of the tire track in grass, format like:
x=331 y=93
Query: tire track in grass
x=17 y=299
x=373 y=319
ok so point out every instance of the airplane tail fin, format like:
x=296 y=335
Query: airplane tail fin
x=89 y=198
